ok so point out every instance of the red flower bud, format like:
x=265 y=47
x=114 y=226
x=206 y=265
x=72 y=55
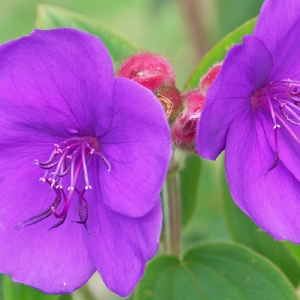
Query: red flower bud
x=209 y=77
x=150 y=70
x=184 y=128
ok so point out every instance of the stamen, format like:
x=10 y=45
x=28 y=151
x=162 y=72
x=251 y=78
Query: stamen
x=289 y=130
x=83 y=212
x=73 y=158
x=286 y=94
x=39 y=217
x=66 y=206
x=61 y=162
x=105 y=160
x=284 y=105
x=64 y=172
x=60 y=222
x=49 y=166
x=294 y=92
x=68 y=157
x=85 y=172
x=50 y=160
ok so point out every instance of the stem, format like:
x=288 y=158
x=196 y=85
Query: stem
x=172 y=210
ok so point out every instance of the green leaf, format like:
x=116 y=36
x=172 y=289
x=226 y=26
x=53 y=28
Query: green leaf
x=1 y=286
x=53 y=17
x=130 y=297
x=189 y=182
x=214 y=271
x=218 y=52
x=16 y=291
x=243 y=230
x=65 y=297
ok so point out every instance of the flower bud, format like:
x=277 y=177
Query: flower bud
x=171 y=99
x=183 y=132
x=209 y=77
x=150 y=70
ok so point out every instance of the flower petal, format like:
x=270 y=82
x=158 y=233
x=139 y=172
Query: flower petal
x=138 y=147
x=55 y=261
x=243 y=71
x=55 y=82
x=121 y=245
x=276 y=18
x=271 y=198
x=285 y=57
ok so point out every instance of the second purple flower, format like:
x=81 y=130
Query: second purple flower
x=253 y=112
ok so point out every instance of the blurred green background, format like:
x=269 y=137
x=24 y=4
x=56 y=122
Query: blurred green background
x=182 y=31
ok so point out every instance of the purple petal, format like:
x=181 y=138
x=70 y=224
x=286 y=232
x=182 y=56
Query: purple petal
x=55 y=261
x=243 y=71
x=121 y=245
x=270 y=199
x=285 y=56
x=276 y=18
x=59 y=84
x=138 y=148
x=55 y=83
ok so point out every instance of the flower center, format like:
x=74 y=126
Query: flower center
x=67 y=160
x=284 y=95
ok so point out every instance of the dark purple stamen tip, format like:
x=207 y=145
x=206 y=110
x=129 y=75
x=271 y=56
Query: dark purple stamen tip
x=39 y=217
x=60 y=222
x=275 y=163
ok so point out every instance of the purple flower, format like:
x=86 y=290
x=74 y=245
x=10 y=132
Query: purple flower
x=253 y=112
x=83 y=157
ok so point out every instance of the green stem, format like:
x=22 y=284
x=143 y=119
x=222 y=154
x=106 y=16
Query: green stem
x=172 y=211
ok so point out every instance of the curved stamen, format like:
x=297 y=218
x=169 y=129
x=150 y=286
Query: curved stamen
x=47 y=162
x=60 y=222
x=65 y=172
x=65 y=208
x=83 y=212
x=287 y=127
x=39 y=217
x=62 y=159
x=294 y=95
x=105 y=160
x=69 y=197
x=49 y=166
x=281 y=107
